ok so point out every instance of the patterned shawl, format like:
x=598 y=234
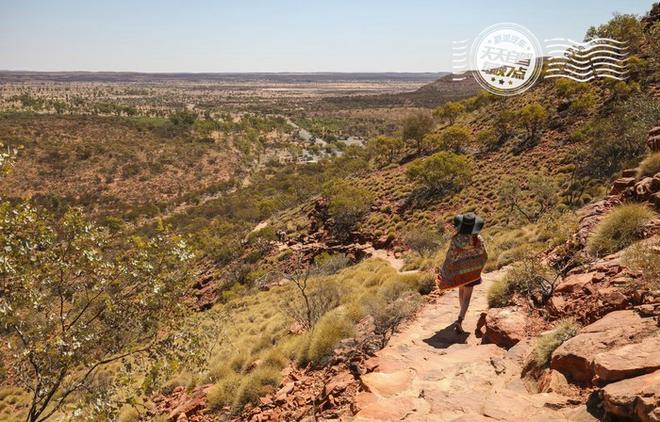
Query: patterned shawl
x=465 y=259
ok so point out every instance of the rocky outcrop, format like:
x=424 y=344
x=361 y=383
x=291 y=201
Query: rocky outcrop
x=505 y=327
x=615 y=347
x=635 y=398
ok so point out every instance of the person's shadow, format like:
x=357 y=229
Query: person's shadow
x=446 y=337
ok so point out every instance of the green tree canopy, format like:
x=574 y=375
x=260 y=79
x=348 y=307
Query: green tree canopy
x=441 y=172
x=414 y=129
x=449 y=112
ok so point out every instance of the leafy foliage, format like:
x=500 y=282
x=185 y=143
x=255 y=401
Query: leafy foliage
x=442 y=172
x=73 y=302
x=414 y=129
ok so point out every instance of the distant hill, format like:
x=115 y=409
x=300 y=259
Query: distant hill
x=432 y=94
x=293 y=77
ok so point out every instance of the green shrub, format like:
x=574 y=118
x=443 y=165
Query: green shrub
x=548 y=343
x=326 y=334
x=422 y=240
x=499 y=294
x=256 y=384
x=650 y=165
x=441 y=172
x=621 y=227
x=645 y=257
x=224 y=392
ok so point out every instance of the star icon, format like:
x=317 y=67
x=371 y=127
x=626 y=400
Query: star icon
x=501 y=81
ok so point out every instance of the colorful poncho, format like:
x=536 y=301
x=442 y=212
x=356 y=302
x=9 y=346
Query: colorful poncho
x=465 y=259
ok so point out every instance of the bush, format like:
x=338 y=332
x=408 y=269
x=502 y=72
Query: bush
x=421 y=240
x=415 y=127
x=645 y=257
x=650 y=165
x=347 y=204
x=620 y=228
x=256 y=384
x=441 y=172
x=583 y=104
x=499 y=295
x=223 y=393
x=454 y=139
x=548 y=343
x=326 y=334
x=449 y=111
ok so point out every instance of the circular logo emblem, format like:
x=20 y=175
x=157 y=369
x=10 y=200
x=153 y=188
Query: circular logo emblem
x=507 y=59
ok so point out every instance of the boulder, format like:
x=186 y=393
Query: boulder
x=554 y=382
x=635 y=398
x=628 y=361
x=644 y=189
x=575 y=357
x=505 y=327
x=629 y=173
x=619 y=185
x=574 y=282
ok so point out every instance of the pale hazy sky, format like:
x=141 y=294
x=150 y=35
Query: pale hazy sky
x=271 y=36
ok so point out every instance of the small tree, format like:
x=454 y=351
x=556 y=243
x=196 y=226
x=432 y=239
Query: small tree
x=449 y=112
x=73 y=302
x=414 y=129
x=441 y=172
x=347 y=204
x=504 y=125
x=384 y=148
x=454 y=139
x=532 y=118
x=488 y=139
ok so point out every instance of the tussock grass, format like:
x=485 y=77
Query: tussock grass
x=650 y=165
x=499 y=294
x=255 y=343
x=548 y=343
x=620 y=228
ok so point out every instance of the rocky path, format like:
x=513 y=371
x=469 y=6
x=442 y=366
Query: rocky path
x=429 y=373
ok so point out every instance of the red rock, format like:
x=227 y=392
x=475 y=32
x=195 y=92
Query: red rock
x=643 y=189
x=628 y=361
x=554 y=382
x=635 y=398
x=629 y=173
x=575 y=357
x=619 y=185
x=505 y=326
x=574 y=282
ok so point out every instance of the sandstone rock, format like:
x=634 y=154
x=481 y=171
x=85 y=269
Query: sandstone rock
x=388 y=384
x=575 y=358
x=619 y=185
x=635 y=398
x=573 y=282
x=554 y=382
x=643 y=189
x=628 y=361
x=505 y=326
x=629 y=173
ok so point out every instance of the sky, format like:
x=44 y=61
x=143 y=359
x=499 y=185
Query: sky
x=271 y=36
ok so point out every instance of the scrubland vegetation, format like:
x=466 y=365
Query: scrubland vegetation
x=124 y=200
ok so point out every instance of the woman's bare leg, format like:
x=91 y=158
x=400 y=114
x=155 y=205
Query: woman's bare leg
x=464 y=295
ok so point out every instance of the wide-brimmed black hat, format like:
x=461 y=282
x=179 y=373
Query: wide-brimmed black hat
x=468 y=223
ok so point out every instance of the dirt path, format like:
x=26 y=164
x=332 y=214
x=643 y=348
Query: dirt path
x=429 y=373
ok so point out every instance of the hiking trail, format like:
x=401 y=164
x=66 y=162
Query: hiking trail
x=427 y=372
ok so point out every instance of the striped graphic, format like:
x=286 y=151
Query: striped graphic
x=585 y=61
x=459 y=59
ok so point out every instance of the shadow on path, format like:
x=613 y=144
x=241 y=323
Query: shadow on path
x=446 y=337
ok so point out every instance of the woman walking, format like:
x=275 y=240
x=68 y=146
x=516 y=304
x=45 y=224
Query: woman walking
x=464 y=262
